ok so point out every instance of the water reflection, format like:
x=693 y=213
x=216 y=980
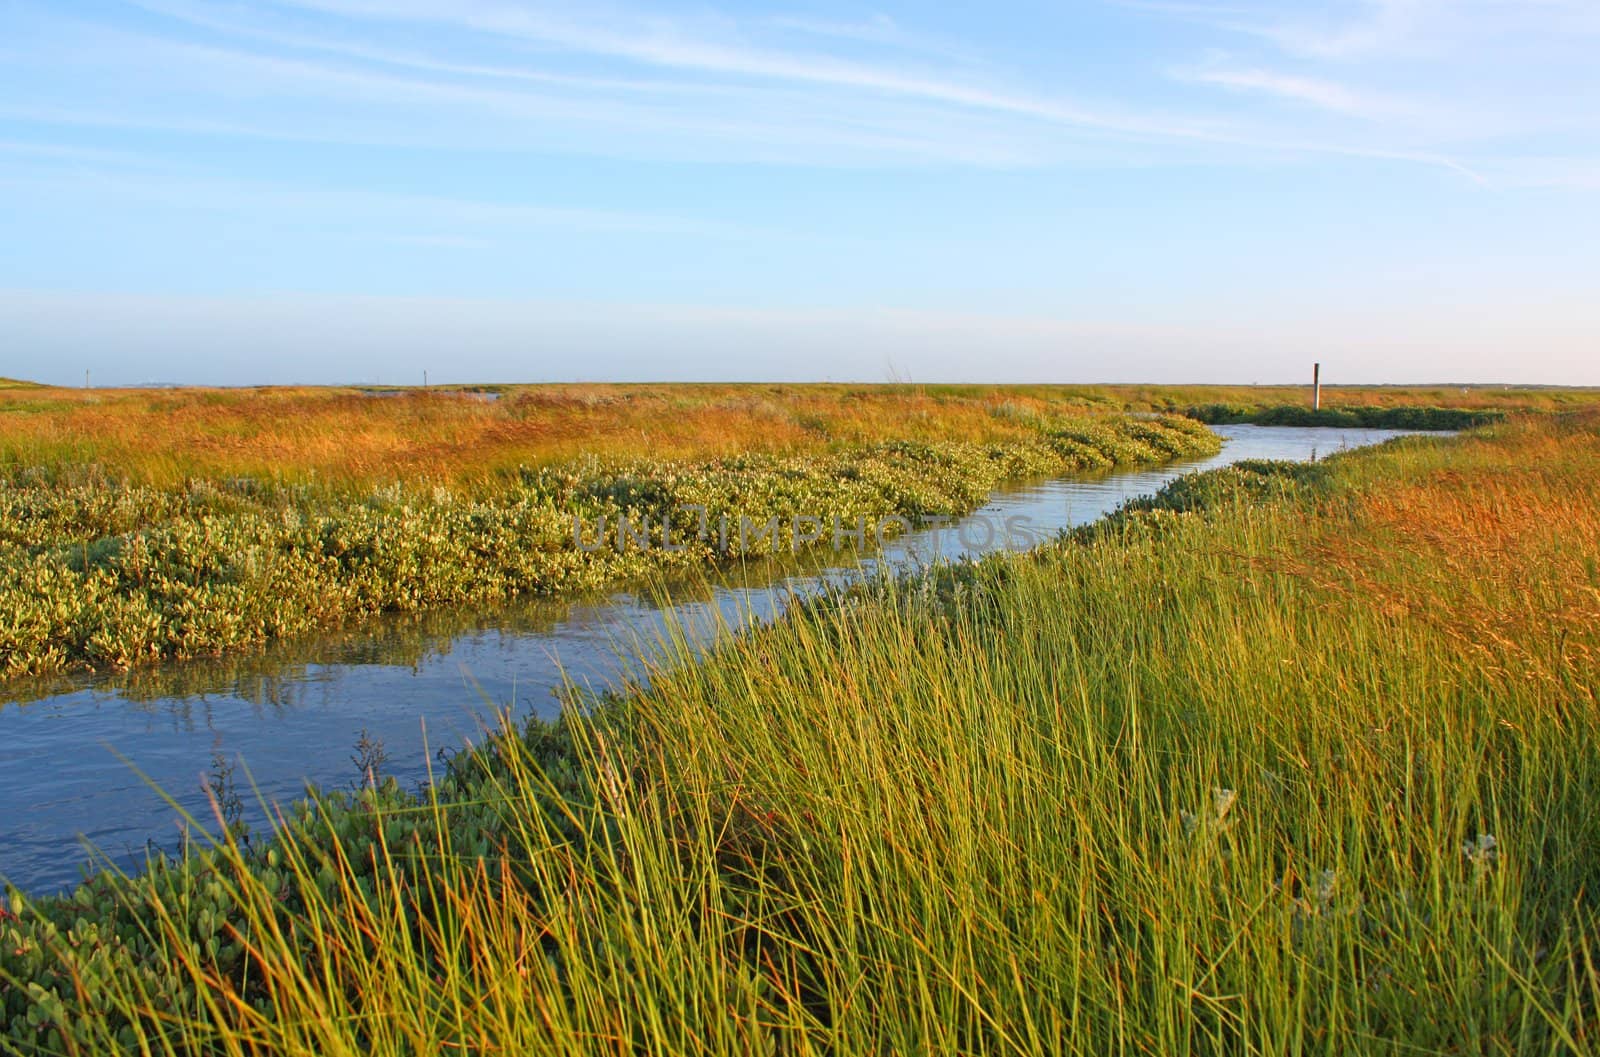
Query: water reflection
x=293 y=711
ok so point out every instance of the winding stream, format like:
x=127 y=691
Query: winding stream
x=293 y=712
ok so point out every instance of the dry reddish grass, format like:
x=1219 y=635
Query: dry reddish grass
x=345 y=435
x=1499 y=549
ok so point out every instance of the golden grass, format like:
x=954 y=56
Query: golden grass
x=351 y=436
x=1497 y=548
x=345 y=434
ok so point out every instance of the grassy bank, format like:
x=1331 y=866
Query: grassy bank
x=100 y=572
x=1292 y=760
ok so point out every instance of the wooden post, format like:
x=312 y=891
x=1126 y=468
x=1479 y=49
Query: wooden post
x=1316 y=387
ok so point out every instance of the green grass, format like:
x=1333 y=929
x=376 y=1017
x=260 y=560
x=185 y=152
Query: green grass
x=1290 y=761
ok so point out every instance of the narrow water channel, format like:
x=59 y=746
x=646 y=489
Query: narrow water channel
x=292 y=713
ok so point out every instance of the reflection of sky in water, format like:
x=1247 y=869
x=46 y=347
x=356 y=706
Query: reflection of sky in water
x=294 y=712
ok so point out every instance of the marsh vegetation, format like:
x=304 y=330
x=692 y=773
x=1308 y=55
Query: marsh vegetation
x=99 y=572
x=1286 y=760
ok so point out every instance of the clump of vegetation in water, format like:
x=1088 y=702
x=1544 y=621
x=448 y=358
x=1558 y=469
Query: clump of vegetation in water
x=1275 y=765
x=101 y=574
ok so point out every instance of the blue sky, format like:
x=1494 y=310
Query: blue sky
x=361 y=190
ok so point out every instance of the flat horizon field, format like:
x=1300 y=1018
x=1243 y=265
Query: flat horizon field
x=350 y=434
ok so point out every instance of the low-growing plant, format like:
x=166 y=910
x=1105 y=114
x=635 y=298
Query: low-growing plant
x=105 y=576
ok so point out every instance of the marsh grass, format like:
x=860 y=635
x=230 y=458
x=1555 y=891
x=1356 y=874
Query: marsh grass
x=1307 y=768
x=343 y=439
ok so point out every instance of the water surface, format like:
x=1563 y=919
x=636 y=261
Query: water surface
x=293 y=712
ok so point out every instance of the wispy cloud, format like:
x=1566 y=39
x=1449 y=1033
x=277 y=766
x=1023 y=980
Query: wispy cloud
x=232 y=22
x=1547 y=173
x=1351 y=31
x=1376 y=27
x=1318 y=92
x=878 y=30
x=1347 y=29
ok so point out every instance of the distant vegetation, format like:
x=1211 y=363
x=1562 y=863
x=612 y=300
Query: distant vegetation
x=1287 y=760
x=1421 y=417
x=338 y=438
x=333 y=438
x=102 y=573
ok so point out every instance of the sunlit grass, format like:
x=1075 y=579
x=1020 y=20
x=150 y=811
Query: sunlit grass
x=1310 y=774
x=348 y=438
